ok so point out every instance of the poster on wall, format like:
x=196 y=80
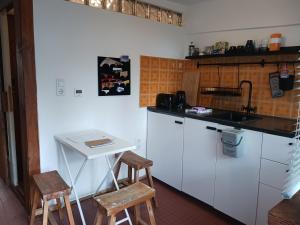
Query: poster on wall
x=113 y=76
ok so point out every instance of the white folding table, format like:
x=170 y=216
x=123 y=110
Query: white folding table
x=76 y=142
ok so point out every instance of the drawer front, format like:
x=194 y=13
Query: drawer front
x=277 y=148
x=273 y=173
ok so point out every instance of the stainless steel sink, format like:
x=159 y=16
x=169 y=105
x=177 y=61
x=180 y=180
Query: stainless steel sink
x=234 y=116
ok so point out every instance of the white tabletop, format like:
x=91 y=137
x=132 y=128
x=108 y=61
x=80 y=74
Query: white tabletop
x=76 y=141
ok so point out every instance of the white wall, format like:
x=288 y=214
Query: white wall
x=68 y=39
x=239 y=20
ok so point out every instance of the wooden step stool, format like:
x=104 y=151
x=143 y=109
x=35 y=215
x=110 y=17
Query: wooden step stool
x=136 y=162
x=49 y=186
x=131 y=196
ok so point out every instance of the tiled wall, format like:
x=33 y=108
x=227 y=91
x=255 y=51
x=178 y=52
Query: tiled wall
x=159 y=75
x=259 y=76
x=165 y=75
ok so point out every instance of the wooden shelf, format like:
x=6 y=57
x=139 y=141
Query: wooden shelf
x=283 y=51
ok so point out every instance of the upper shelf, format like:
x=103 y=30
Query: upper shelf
x=283 y=51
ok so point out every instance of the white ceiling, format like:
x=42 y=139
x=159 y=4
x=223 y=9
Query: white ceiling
x=186 y=2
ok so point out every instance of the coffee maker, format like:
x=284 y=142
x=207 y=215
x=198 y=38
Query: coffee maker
x=180 y=100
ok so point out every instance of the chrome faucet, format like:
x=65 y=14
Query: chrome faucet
x=248 y=108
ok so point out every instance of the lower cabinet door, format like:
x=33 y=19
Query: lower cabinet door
x=199 y=159
x=268 y=197
x=237 y=180
x=165 y=147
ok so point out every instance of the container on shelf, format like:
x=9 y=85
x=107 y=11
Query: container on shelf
x=275 y=42
x=191 y=49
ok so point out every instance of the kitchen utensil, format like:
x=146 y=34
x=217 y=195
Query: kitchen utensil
x=240 y=49
x=190 y=84
x=208 y=50
x=250 y=47
x=264 y=45
x=274 y=84
x=286 y=81
x=231 y=50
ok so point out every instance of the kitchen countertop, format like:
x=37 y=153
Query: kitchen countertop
x=267 y=124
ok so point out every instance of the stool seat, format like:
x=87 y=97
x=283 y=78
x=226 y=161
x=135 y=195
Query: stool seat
x=135 y=161
x=117 y=201
x=131 y=196
x=51 y=185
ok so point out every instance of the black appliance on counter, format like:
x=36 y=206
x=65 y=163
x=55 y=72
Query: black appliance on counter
x=165 y=101
x=171 y=101
x=180 y=100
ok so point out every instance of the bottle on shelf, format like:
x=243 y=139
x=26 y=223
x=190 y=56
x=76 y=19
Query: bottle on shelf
x=275 y=42
x=191 y=49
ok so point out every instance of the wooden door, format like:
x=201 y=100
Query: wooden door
x=3 y=130
x=15 y=98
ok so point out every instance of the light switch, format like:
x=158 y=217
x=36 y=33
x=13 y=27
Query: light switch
x=60 y=87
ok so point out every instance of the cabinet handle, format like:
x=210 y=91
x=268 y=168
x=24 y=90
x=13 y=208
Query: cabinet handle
x=219 y=130
x=178 y=122
x=211 y=128
x=287 y=171
x=290 y=144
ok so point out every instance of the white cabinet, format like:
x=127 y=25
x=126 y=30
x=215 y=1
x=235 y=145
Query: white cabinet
x=187 y=155
x=165 y=147
x=199 y=159
x=276 y=148
x=273 y=174
x=268 y=197
x=228 y=184
x=237 y=179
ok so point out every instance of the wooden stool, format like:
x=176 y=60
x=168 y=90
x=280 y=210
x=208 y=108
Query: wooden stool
x=49 y=186
x=132 y=196
x=136 y=162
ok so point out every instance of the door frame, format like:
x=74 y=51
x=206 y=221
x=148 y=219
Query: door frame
x=3 y=135
x=25 y=57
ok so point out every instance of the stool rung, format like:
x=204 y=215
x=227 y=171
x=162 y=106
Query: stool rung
x=122 y=221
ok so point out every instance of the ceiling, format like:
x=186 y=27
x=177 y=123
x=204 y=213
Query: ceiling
x=186 y=2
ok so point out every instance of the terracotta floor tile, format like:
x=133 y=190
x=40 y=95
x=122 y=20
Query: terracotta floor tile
x=175 y=208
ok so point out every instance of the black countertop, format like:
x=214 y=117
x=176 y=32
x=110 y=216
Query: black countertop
x=267 y=124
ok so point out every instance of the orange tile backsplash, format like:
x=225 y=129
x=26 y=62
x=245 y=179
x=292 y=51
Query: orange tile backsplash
x=261 y=93
x=159 y=75
x=165 y=75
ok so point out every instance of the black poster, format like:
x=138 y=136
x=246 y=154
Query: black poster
x=113 y=76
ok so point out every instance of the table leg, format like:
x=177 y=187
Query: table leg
x=79 y=172
x=73 y=183
x=111 y=170
x=108 y=172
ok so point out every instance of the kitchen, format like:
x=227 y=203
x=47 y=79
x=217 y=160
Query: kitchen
x=68 y=39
